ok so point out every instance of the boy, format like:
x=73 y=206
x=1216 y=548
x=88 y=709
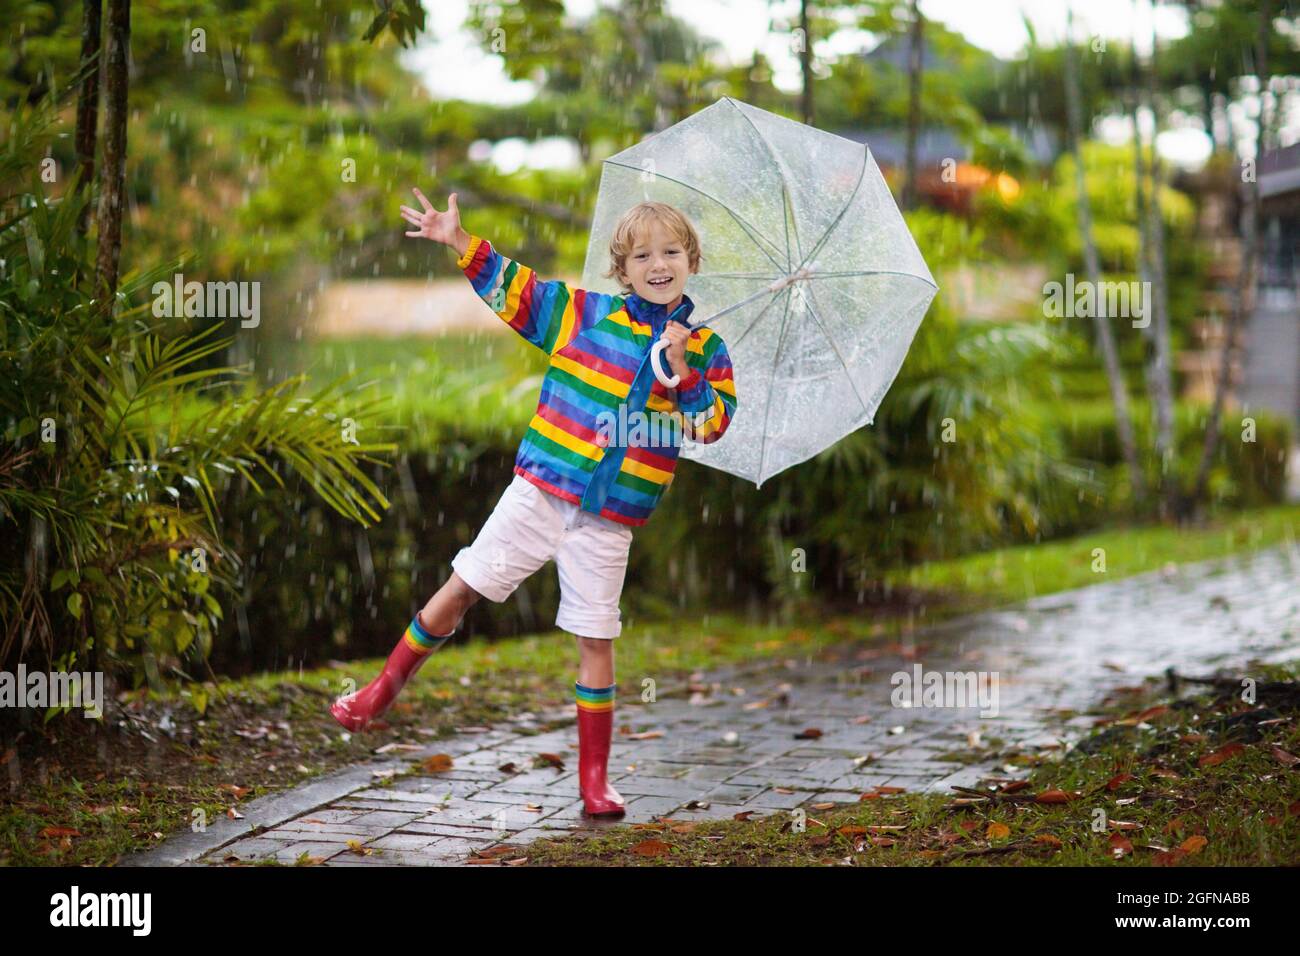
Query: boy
x=578 y=490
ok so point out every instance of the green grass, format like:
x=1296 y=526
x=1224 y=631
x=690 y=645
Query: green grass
x=1021 y=572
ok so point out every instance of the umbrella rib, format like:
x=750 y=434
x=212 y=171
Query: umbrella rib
x=738 y=275
x=776 y=358
x=753 y=322
x=787 y=206
x=836 y=349
x=749 y=229
x=862 y=175
x=873 y=272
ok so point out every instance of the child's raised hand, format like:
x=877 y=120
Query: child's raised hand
x=441 y=227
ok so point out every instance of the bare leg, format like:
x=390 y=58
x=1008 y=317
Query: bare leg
x=445 y=609
x=596 y=662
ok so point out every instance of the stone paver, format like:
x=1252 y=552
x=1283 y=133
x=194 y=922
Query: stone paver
x=1057 y=653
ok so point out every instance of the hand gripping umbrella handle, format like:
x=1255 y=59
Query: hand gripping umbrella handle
x=671 y=382
x=664 y=380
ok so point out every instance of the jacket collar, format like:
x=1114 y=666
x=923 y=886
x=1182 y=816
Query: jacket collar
x=655 y=314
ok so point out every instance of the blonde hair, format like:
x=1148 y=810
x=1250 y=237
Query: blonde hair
x=637 y=222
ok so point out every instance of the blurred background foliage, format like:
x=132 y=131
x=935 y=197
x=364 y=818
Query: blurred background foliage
x=236 y=171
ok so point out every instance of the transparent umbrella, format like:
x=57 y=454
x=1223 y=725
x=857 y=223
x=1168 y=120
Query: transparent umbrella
x=809 y=273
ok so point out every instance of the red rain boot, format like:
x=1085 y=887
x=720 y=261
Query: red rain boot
x=595 y=727
x=355 y=711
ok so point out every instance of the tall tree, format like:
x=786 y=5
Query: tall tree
x=915 y=50
x=1159 y=375
x=1092 y=265
x=1248 y=279
x=805 y=64
x=88 y=100
x=112 y=194
x=1134 y=96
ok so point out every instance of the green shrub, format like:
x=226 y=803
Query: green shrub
x=1244 y=473
x=120 y=440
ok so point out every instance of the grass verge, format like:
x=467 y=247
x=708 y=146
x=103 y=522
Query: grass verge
x=1017 y=573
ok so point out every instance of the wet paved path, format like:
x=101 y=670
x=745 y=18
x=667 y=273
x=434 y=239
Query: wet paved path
x=734 y=745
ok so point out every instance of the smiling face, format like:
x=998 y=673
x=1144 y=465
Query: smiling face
x=657 y=266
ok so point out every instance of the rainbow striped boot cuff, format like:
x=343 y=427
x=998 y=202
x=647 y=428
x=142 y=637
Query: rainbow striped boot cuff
x=421 y=641
x=594 y=699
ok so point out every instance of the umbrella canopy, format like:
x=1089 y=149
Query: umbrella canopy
x=772 y=200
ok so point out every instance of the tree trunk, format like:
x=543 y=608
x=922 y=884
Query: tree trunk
x=88 y=101
x=1143 y=222
x=1159 y=371
x=805 y=63
x=1092 y=264
x=1248 y=279
x=1207 y=113
x=112 y=185
x=914 y=62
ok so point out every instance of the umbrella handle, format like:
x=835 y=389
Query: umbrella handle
x=664 y=380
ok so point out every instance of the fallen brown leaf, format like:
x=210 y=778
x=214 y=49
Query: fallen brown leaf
x=1193 y=844
x=1054 y=796
x=1220 y=755
x=1284 y=758
x=59 y=832
x=436 y=763
x=493 y=852
x=652 y=848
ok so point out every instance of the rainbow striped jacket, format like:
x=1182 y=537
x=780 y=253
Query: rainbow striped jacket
x=607 y=433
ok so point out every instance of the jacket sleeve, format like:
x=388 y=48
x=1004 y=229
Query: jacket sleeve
x=547 y=314
x=707 y=396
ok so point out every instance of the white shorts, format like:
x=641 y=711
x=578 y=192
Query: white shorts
x=529 y=527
